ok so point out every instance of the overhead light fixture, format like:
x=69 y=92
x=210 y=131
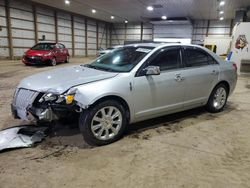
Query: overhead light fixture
x=126 y=21
x=164 y=17
x=67 y=2
x=221 y=12
x=221 y=18
x=150 y=8
x=112 y=17
x=222 y=3
x=93 y=11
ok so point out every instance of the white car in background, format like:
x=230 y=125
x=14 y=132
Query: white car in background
x=107 y=50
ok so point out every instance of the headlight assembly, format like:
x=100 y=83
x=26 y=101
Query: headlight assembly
x=48 y=97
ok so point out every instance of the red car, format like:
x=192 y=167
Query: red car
x=46 y=53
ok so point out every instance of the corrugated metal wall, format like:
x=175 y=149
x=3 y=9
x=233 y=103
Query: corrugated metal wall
x=131 y=32
x=23 y=24
x=4 y=44
x=213 y=28
x=29 y=23
x=173 y=31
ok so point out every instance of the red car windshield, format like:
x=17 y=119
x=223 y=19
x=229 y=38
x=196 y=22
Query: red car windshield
x=43 y=46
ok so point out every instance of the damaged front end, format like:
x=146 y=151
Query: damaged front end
x=41 y=106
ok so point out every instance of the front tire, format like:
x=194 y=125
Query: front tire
x=217 y=99
x=67 y=59
x=103 y=123
x=53 y=61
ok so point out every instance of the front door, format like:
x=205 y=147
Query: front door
x=156 y=95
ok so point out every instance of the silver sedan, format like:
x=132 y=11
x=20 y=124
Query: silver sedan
x=129 y=84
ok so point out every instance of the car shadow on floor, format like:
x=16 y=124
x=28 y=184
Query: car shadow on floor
x=67 y=134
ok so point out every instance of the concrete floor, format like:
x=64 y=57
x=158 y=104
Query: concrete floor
x=188 y=149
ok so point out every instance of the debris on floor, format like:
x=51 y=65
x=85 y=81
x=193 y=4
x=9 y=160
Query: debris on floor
x=21 y=136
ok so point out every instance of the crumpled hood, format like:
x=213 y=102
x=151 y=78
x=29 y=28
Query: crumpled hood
x=60 y=80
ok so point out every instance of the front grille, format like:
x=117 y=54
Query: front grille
x=33 y=59
x=23 y=98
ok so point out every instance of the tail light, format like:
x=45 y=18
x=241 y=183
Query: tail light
x=235 y=66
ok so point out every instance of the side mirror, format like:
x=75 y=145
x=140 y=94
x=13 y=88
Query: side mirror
x=152 y=70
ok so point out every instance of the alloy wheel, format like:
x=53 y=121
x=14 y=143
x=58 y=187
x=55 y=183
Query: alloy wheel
x=220 y=97
x=106 y=123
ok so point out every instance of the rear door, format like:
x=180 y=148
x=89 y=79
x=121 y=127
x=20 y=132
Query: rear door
x=201 y=74
x=57 y=53
x=63 y=52
x=155 y=95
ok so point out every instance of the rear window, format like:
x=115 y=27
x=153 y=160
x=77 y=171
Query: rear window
x=197 y=58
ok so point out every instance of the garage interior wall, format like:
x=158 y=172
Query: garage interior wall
x=22 y=24
x=131 y=32
x=212 y=29
x=197 y=31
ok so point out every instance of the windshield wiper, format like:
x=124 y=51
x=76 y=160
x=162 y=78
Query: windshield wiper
x=98 y=68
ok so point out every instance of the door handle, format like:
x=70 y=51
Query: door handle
x=178 y=78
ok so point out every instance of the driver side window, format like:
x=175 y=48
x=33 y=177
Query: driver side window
x=167 y=59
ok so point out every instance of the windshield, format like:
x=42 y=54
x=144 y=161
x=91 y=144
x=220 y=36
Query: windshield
x=123 y=59
x=43 y=46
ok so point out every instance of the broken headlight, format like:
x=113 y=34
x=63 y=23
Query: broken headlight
x=48 y=97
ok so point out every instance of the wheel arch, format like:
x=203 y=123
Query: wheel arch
x=118 y=99
x=225 y=83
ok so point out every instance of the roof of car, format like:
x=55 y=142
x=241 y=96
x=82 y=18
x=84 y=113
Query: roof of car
x=159 y=44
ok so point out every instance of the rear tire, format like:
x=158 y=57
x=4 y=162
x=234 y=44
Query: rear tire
x=217 y=99
x=103 y=123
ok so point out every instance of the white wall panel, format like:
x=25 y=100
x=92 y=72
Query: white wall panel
x=2 y=21
x=79 y=39
x=15 y=13
x=79 y=19
x=48 y=36
x=3 y=33
x=80 y=45
x=23 y=43
x=62 y=37
x=64 y=23
x=79 y=52
x=91 y=34
x=79 y=32
x=23 y=33
x=45 y=19
x=4 y=52
x=22 y=24
x=92 y=52
x=4 y=42
x=2 y=11
x=45 y=27
x=173 y=31
x=19 y=51
x=64 y=30
x=79 y=25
